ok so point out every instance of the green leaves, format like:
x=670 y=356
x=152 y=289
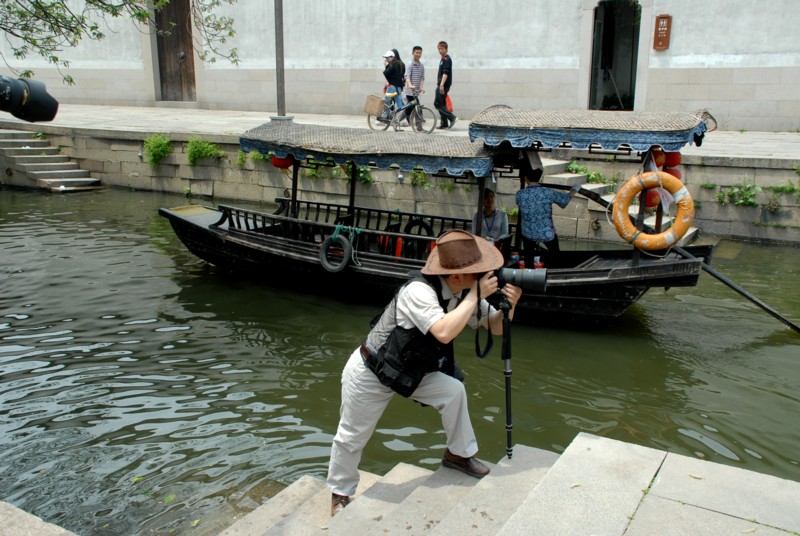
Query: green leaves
x=198 y=148
x=156 y=148
x=47 y=28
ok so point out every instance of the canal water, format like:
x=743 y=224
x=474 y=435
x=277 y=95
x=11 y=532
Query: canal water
x=142 y=392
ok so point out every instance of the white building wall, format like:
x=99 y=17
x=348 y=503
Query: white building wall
x=739 y=59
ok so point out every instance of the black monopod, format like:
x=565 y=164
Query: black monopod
x=505 y=355
x=527 y=280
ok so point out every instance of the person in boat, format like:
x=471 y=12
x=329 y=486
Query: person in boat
x=490 y=223
x=410 y=351
x=536 y=211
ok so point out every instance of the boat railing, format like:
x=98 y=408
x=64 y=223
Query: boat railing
x=379 y=231
x=375 y=219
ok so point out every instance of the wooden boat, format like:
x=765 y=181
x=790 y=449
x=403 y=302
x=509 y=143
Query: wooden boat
x=365 y=253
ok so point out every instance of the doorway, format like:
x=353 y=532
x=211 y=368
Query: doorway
x=615 y=47
x=176 y=51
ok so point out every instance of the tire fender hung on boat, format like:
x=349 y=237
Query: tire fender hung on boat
x=422 y=228
x=347 y=253
x=625 y=196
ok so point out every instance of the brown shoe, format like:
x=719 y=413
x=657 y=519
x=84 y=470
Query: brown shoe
x=470 y=466
x=338 y=502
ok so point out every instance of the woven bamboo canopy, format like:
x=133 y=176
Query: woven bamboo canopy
x=580 y=129
x=406 y=150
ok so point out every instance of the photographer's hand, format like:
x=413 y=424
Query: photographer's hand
x=488 y=284
x=512 y=293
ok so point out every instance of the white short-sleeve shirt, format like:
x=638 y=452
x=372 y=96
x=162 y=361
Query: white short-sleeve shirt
x=419 y=307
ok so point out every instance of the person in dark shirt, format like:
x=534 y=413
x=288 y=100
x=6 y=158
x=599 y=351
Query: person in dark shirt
x=393 y=72
x=444 y=80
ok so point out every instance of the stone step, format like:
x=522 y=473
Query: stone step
x=64 y=183
x=427 y=505
x=16 y=134
x=553 y=167
x=75 y=173
x=565 y=179
x=313 y=516
x=48 y=166
x=277 y=508
x=591 y=489
x=38 y=159
x=495 y=498
x=22 y=143
x=598 y=188
x=68 y=189
x=16 y=522
x=609 y=198
x=29 y=151
x=379 y=500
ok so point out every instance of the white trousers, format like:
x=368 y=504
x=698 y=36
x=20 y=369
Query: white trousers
x=364 y=399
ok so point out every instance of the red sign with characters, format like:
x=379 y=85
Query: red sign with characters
x=662 y=31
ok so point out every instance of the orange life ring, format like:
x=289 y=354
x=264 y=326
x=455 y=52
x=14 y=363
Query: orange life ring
x=653 y=179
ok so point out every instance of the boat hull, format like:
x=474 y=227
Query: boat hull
x=594 y=284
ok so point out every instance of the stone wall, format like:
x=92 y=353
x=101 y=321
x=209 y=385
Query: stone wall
x=119 y=162
x=239 y=177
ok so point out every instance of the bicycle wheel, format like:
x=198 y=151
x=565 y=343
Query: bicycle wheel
x=379 y=123
x=423 y=120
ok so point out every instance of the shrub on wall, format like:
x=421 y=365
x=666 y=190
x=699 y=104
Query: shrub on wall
x=198 y=148
x=156 y=148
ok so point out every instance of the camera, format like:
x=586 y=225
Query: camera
x=526 y=279
x=27 y=100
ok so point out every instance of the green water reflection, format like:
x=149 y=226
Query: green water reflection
x=142 y=392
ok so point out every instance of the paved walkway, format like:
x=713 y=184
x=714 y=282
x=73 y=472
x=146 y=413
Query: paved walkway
x=725 y=144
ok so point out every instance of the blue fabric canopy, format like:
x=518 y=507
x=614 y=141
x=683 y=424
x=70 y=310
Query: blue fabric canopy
x=610 y=130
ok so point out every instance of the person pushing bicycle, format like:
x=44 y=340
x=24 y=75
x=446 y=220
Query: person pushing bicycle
x=414 y=79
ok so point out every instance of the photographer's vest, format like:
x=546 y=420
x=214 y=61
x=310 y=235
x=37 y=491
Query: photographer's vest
x=407 y=354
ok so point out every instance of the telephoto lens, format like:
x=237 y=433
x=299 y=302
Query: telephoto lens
x=27 y=100
x=535 y=280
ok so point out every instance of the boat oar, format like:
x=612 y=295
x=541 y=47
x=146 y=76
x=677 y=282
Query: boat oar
x=679 y=250
x=739 y=289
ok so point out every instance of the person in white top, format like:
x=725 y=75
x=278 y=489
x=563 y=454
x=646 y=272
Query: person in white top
x=410 y=351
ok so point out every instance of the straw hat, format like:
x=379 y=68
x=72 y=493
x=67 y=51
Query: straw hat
x=459 y=252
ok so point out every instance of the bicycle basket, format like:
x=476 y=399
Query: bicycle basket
x=373 y=105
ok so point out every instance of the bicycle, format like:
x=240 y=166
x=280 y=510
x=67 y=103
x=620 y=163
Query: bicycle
x=421 y=118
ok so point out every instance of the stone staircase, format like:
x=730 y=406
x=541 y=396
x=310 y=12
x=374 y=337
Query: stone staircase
x=31 y=162
x=407 y=500
x=597 y=486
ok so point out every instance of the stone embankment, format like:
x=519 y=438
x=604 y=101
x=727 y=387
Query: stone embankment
x=745 y=185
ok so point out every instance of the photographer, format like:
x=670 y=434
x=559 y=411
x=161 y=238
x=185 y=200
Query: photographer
x=410 y=351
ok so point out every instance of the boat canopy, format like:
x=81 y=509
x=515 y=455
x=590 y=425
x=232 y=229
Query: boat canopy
x=580 y=129
x=408 y=150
